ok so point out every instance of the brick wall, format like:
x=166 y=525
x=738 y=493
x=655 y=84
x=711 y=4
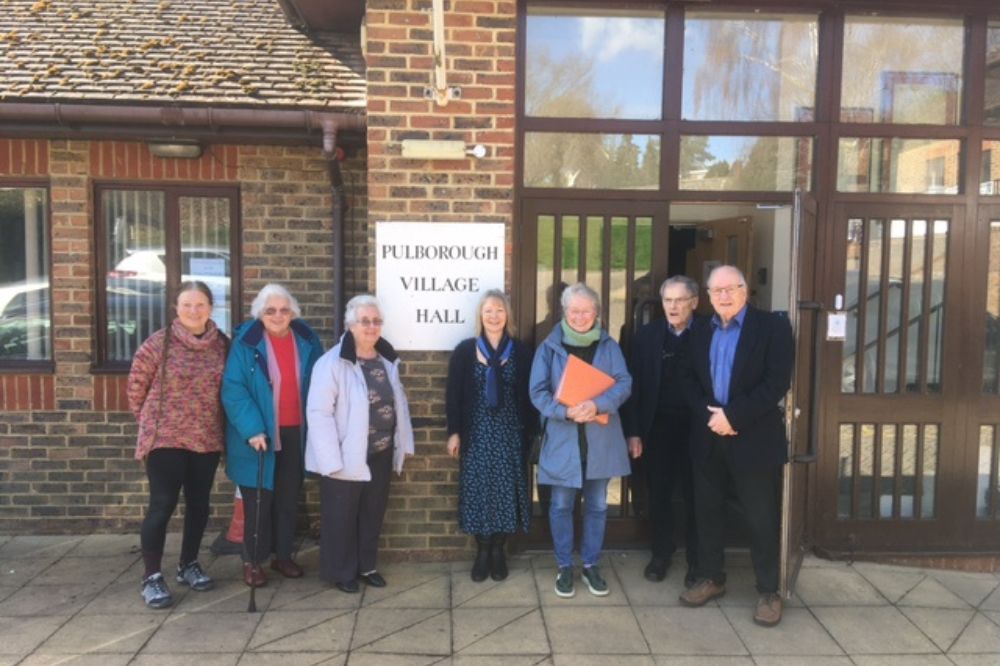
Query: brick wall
x=66 y=438
x=421 y=521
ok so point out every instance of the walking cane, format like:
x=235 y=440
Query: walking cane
x=252 y=606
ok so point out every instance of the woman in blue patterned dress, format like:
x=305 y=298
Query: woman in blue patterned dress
x=490 y=422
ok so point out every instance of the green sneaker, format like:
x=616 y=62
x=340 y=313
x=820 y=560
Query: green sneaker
x=564 y=582
x=595 y=582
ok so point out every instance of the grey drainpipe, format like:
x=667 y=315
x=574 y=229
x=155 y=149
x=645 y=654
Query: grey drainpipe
x=337 y=204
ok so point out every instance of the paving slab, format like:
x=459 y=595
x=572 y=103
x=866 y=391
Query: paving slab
x=799 y=633
x=873 y=630
x=891 y=581
x=641 y=592
x=493 y=660
x=499 y=631
x=941 y=625
x=102 y=633
x=201 y=659
x=431 y=636
x=517 y=591
x=591 y=630
x=292 y=659
x=101 y=659
x=374 y=624
x=991 y=602
x=38 y=546
x=972 y=588
x=689 y=631
x=194 y=633
x=836 y=586
x=777 y=660
x=929 y=593
x=664 y=660
x=311 y=594
x=406 y=590
x=304 y=631
x=21 y=635
x=903 y=660
x=981 y=635
x=70 y=570
x=602 y=660
x=104 y=545
x=50 y=599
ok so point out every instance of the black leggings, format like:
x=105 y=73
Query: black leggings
x=168 y=471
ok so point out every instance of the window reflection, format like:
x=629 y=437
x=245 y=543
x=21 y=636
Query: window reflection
x=891 y=76
x=749 y=67
x=991 y=353
x=24 y=275
x=594 y=63
x=591 y=161
x=989 y=171
x=752 y=163
x=910 y=166
x=992 y=101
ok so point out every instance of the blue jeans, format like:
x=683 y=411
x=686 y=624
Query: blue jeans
x=595 y=511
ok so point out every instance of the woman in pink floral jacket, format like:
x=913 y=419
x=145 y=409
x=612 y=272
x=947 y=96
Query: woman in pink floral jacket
x=173 y=390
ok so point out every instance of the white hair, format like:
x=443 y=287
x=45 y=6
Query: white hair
x=273 y=290
x=355 y=304
x=580 y=289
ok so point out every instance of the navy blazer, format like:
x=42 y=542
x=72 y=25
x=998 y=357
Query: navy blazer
x=762 y=374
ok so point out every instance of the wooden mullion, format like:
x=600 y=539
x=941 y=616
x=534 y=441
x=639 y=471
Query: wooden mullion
x=859 y=347
x=918 y=473
x=904 y=304
x=883 y=307
x=925 y=310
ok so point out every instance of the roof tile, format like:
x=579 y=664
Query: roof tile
x=199 y=52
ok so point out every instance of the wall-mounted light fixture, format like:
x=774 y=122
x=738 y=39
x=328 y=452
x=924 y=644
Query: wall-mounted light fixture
x=189 y=150
x=423 y=149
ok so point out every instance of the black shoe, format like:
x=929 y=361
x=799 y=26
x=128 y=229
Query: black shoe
x=656 y=570
x=349 y=586
x=498 y=560
x=481 y=566
x=373 y=579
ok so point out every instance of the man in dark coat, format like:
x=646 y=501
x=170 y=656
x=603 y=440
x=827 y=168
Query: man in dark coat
x=657 y=418
x=741 y=369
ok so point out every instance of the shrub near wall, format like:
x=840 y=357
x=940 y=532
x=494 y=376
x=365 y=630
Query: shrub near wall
x=421 y=521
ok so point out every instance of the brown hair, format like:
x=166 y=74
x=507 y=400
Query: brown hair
x=196 y=285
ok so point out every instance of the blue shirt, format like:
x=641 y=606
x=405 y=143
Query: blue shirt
x=722 y=352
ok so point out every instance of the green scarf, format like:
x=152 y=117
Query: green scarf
x=577 y=339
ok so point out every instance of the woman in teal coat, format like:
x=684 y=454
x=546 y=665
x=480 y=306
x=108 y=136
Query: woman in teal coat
x=264 y=392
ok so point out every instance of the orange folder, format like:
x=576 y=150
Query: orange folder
x=582 y=381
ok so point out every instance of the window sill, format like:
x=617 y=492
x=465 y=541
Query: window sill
x=27 y=367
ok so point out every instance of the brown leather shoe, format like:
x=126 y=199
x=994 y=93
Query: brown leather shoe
x=702 y=592
x=287 y=568
x=253 y=575
x=768 y=611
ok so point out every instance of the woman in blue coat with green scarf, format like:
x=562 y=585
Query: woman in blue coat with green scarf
x=264 y=392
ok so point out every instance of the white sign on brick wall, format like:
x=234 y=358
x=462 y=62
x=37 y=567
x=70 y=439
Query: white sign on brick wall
x=429 y=277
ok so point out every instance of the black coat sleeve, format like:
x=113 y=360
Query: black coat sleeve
x=527 y=411
x=456 y=395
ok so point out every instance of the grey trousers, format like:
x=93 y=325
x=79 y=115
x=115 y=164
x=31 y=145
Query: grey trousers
x=351 y=513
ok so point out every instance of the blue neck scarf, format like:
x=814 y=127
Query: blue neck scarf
x=494 y=359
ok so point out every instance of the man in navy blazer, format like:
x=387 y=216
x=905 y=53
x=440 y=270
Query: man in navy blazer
x=741 y=368
x=657 y=419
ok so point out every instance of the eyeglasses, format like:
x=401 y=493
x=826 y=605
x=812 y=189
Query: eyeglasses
x=573 y=312
x=678 y=301
x=728 y=291
x=270 y=312
x=370 y=322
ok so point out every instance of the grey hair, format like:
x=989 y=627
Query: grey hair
x=580 y=289
x=355 y=304
x=273 y=290
x=690 y=285
x=500 y=296
x=743 y=279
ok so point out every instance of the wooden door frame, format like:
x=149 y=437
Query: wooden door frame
x=885 y=535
